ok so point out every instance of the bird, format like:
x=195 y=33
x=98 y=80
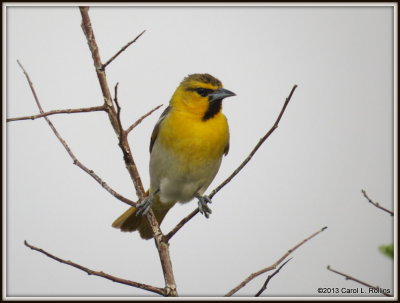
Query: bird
x=186 y=149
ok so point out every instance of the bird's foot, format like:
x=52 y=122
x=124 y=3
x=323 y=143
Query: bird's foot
x=203 y=208
x=143 y=207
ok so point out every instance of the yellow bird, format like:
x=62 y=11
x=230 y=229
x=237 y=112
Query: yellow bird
x=186 y=149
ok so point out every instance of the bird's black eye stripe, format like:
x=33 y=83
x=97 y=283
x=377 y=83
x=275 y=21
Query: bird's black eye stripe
x=204 y=92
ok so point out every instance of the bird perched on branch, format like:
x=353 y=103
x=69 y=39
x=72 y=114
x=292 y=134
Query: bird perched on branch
x=186 y=149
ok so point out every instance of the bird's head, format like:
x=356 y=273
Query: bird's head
x=200 y=94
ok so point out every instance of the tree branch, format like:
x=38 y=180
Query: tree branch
x=101 y=274
x=376 y=204
x=273 y=266
x=101 y=75
x=237 y=170
x=59 y=111
x=121 y=50
x=379 y=290
x=161 y=243
x=264 y=287
x=258 y=145
x=138 y=121
x=68 y=149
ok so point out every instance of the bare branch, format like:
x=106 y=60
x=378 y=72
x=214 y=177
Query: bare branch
x=121 y=50
x=181 y=224
x=112 y=114
x=273 y=266
x=68 y=149
x=101 y=75
x=147 y=287
x=377 y=288
x=260 y=142
x=237 y=170
x=161 y=244
x=59 y=111
x=376 y=204
x=138 y=121
x=264 y=287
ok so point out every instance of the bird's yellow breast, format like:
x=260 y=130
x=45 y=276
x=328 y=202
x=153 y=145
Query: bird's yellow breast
x=193 y=140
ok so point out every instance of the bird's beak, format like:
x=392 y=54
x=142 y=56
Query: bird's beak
x=220 y=94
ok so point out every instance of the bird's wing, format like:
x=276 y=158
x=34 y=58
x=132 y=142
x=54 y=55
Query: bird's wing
x=226 y=150
x=157 y=127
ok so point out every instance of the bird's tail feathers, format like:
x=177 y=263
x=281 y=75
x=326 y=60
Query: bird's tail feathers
x=129 y=221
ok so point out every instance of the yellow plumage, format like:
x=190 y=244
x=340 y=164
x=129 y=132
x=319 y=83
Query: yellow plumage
x=186 y=148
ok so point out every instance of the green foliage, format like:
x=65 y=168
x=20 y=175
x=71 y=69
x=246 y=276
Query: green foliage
x=387 y=250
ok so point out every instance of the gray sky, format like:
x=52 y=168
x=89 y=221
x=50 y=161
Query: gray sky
x=335 y=139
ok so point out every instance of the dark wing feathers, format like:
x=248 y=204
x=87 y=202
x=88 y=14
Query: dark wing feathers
x=226 y=150
x=157 y=127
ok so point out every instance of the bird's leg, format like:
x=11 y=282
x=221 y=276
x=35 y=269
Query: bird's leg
x=145 y=205
x=203 y=208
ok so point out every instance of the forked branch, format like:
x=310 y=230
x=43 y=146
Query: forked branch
x=68 y=149
x=161 y=244
x=273 y=266
x=264 y=287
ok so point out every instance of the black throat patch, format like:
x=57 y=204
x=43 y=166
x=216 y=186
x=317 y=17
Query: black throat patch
x=214 y=108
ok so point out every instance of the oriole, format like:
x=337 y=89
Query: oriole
x=186 y=149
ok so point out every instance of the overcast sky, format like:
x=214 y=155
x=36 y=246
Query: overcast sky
x=335 y=139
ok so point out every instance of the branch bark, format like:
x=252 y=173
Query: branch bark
x=237 y=170
x=112 y=114
x=161 y=242
x=59 y=111
x=273 y=266
x=101 y=274
x=377 y=288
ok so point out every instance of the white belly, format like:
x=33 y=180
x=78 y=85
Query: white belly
x=177 y=178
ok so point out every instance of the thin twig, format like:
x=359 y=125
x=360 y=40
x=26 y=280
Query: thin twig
x=237 y=170
x=151 y=288
x=376 y=204
x=68 y=149
x=261 y=141
x=264 y=287
x=138 y=121
x=121 y=50
x=181 y=224
x=273 y=266
x=60 y=111
x=379 y=290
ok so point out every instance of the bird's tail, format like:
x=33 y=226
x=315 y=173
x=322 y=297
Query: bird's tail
x=129 y=221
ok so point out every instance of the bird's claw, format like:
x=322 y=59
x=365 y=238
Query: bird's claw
x=144 y=206
x=203 y=208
